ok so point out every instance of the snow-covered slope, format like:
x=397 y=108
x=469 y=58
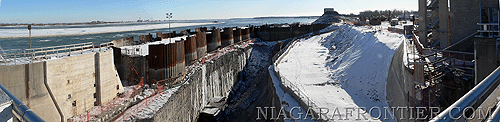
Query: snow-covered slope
x=343 y=69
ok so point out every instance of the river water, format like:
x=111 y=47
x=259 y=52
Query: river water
x=24 y=43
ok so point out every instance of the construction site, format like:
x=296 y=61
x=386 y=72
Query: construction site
x=444 y=56
x=449 y=60
x=162 y=77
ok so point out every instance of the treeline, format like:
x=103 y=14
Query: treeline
x=386 y=14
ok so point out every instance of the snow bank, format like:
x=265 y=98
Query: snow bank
x=343 y=69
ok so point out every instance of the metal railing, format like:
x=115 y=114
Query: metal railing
x=20 y=110
x=17 y=55
x=456 y=109
x=287 y=83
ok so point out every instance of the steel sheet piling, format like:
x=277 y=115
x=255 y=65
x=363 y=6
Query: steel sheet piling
x=237 y=35
x=190 y=49
x=201 y=44
x=227 y=37
x=211 y=43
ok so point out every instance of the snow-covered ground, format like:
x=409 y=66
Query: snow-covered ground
x=143 y=49
x=287 y=101
x=344 y=69
x=8 y=33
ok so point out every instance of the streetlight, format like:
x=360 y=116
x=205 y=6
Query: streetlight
x=29 y=28
x=169 y=15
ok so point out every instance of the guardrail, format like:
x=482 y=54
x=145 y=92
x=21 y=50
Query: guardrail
x=20 y=110
x=16 y=55
x=287 y=83
x=417 y=43
x=456 y=109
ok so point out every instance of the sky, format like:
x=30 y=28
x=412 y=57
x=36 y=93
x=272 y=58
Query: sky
x=53 y=11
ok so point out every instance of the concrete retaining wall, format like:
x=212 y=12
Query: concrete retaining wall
x=73 y=81
x=400 y=84
x=206 y=82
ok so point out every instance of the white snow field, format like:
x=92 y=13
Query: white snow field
x=12 y=33
x=344 y=70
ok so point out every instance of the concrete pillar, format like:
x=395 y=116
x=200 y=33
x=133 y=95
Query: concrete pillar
x=485 y=57
x=443 y=24
x=422 y=12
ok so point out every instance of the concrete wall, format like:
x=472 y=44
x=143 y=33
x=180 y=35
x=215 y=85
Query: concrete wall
x=110 y=83
x=464 y=16
x=72 y=76
x=206 y=82
x=72 y=80
x=400 y=83
x=15 y=78
x=486 y=59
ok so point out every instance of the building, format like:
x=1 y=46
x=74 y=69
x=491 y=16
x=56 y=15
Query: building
x=448 y=22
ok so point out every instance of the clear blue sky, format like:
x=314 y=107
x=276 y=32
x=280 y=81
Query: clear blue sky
x=36 y=11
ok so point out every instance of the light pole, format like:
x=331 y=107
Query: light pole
x=29 y=28
x=169 y=15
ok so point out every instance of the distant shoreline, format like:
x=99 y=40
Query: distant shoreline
x=280 y=17
x=74 y=23
x=139 y=21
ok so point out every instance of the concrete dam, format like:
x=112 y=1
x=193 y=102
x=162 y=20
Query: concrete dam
x=166 y=77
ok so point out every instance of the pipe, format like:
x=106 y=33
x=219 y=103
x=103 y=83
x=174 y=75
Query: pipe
x=456 y=109
x=495 y=117
x=50 y=92
x=21 y=109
